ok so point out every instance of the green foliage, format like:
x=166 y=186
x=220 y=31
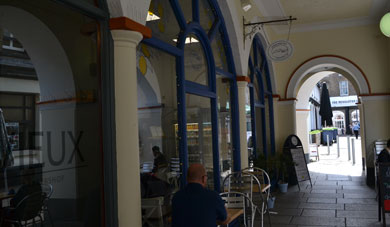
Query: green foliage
x=277 y=166
x=315 y=132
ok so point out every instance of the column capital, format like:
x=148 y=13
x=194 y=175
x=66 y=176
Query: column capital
x=243 y=78
x=124 y=23
x=125 y=36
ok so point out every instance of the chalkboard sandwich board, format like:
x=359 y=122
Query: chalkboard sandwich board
x=293 y=147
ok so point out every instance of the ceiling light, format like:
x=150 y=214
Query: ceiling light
x=385 y=25
x=188 y=40
x=246 y=5
x=151 y=16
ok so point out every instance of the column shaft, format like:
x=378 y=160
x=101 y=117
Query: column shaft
x=242 y=118
x=128 y=173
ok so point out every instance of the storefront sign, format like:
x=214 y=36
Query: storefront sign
x=280 y=50
x=343 y=101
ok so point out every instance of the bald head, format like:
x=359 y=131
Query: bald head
x=196 y=174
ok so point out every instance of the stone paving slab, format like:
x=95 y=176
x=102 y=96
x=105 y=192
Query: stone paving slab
x=361 y=207
x=319 y=213
x=355 y=191
x=289 y=200
x=324 y=195
x=327 y=187
x=339 y=178
x=318 y=221
x=325 y=183
x=277 y=225
x=321 y=200
x=322 y=206
x=356 y=214
x=285 y=205
x=371 y=222
x=360 y=183
x=288 y=211
x=290 y=194
x=323 y=191
x=279 y=219
x=357 y=201
x=360 y=196
x=354 y=187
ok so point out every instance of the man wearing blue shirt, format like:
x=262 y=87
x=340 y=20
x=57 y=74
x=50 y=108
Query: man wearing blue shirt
x=356 y=128
x=196 y=206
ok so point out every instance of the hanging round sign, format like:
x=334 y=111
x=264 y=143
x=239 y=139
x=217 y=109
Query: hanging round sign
x=280 y=50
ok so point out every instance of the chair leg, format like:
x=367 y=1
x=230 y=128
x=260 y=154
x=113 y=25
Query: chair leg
x=269 y=217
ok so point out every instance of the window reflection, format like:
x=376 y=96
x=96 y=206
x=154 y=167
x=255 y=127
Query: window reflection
x=52 y=115
x=195 y=61
x=199 y=134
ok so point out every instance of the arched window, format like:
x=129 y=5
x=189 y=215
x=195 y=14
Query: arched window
x=189 y=66
x=261 y=101
x=339 y=121
x=355 y=115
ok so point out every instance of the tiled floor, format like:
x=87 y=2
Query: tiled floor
x=338 y=197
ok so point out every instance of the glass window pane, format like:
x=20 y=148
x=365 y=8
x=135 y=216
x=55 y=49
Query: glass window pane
x=11 y=115
x=268 y=122
x=224 y=124
x=219 y=52
x=195 y=61
x=162 y=21
x=256 y=88
x=68 y=153
x=206 y=15
x=157 y=109
x=248 y=121
x=259 y=130
x=11 y=100
x=186 y=7
x=265 y=77
x=200 y=149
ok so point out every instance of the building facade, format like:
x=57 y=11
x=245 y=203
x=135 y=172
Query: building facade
x=115 y=78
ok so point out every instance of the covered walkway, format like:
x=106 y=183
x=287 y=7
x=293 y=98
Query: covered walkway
x=339 y=196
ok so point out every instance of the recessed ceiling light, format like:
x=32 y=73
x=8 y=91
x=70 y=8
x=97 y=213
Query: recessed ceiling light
x=151 y=16
x=188 y=40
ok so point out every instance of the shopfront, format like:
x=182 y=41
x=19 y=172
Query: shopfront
x=187 y=92
x=54 y=95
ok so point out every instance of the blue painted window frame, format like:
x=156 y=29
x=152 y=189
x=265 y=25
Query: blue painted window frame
x=210 y=91
x=256 y=67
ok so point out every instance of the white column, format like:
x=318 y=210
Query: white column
x=302 y=117
x=128 y=173
x=242 y=118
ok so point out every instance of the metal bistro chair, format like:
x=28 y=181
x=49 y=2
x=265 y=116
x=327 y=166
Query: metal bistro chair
x=238 y=200
x=153 y=206
x=48 y=190
x=265 y=188
x=26 y=211
x=242 y=182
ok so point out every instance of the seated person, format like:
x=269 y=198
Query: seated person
x=384 y=156
x=159 y=159
x=196 y=206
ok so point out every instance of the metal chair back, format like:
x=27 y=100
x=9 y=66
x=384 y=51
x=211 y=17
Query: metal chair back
x=238 y=200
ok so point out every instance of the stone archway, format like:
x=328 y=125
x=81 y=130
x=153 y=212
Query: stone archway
x=49 y=58
x=306 y=75
x=326 y=62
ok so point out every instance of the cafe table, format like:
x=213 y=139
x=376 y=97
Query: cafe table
x=232 y=214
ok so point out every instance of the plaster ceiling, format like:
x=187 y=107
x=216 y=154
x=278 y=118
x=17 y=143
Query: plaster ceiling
x=324 y=14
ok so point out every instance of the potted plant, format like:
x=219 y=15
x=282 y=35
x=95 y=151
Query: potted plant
x=284 y=164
